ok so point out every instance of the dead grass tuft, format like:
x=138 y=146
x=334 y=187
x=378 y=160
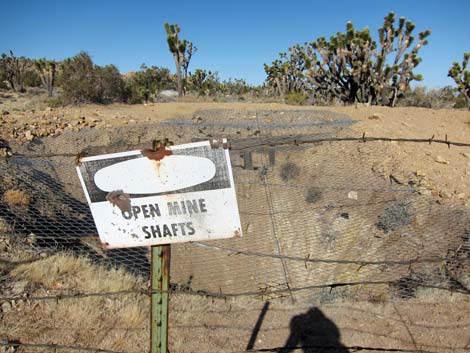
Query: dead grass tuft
x=16 y=198
x=66 y=271
x=119 y=322
x=4 y=226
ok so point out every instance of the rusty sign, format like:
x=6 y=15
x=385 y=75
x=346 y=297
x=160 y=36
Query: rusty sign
x=168 y=195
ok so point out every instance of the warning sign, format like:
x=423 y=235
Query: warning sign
x=174 y=194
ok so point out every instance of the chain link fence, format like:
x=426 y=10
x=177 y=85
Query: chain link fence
x=322 y=223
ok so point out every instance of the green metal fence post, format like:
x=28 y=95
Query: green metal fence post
x=159 y=278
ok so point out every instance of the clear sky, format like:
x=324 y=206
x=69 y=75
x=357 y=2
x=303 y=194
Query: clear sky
x=234 y=37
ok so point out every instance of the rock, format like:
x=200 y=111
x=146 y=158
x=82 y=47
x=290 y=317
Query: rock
x=376 y=116
x=352 y=195
x=424 y=191
x=19 y=287
x=441 y=160
x=6 y=307
x=461 y=196
x=420 y=173
x=167 y=96
x=466 y=154
x=445 y=194
x=5 y=112
x=28 y=135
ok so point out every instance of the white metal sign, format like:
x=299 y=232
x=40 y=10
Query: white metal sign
x=174 y=194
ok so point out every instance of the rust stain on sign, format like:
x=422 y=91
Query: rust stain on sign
x=158 y=154
x=120 y=199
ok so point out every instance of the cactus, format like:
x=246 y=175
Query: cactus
x=182 y=51
x=350 y=66
x=15 y=70
x=461 y=76
x=47 y=70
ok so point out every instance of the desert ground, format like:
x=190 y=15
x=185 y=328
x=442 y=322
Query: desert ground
x=432 y=320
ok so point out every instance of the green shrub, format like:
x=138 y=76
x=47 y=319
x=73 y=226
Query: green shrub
x=295 y=98
x=84 y=82
x=145 y=84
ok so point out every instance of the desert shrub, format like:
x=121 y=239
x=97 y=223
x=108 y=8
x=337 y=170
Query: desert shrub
x=16 y=198
x=313 y=194
x=436 y=98
x=31 y=79
x=295 y=98
x=144 y=85
x=204 y=83
x=289 y=170
x=460 y=102
x=3 y=78
x=110 y=85
x=84 y=82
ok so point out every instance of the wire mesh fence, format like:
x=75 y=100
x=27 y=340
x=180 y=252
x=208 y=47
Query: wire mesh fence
x=322 y=224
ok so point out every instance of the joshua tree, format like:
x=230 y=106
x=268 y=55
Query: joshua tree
x=15 y=70
x=47 y=70
x=461 y=76
x=182 y=51
x=351 y=67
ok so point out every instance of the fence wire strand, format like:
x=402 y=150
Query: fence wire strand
x=322 y=224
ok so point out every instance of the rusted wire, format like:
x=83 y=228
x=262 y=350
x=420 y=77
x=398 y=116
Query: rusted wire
x=296 y=141
x=15 y=343
x=328 y=261
x=322 y=348
x=222 y=295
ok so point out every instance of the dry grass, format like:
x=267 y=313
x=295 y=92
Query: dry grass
x=117 y=322
x=4 y=226
x=64 y=271
x=16 y=198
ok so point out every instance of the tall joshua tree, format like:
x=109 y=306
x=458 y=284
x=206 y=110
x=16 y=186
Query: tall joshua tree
x=182 y=51
x=15 y=70
x=461 y=76
x=47 y=70
x=351 y=66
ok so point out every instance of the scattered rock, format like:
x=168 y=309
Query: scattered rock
x=441 y=160
x=6 y=307
x=19 y=287
x=424 y=191
x=28 y=135
x=167 y=96
x=352 y=195
x=376 y=116
x=420 y=173
x=445 y=194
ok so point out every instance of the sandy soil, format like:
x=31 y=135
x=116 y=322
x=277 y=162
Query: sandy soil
x=436 y=322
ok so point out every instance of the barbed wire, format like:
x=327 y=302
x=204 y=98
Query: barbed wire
x=17 y=344
x=334 y=348
x=308 y=259
x=290 y=140
x=262 y=292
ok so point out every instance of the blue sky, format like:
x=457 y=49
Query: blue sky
x=234 y=38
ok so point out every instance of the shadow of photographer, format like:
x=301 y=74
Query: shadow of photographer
x=313 y=332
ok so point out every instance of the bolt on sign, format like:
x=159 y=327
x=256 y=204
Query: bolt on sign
x=169 y=195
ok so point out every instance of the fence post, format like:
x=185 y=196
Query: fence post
x=159 y=283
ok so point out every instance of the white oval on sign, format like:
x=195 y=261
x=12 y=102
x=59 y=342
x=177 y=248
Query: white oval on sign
x=147 y=176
